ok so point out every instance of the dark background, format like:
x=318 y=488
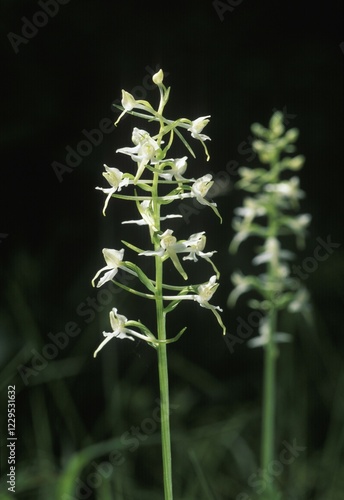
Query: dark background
x=238 y=67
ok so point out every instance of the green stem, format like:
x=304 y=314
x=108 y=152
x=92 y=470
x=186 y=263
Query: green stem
x=164 y=389
x=269 y=393
x=162 y=347
x=270 y=357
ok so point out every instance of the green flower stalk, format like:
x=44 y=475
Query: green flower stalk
x=158 y=180
x=269 y=213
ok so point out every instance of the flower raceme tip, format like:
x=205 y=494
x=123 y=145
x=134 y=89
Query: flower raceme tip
x=158 y=77
x=156 y=182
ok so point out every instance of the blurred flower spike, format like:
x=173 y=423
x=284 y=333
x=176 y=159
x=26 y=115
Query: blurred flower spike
x=268 y=215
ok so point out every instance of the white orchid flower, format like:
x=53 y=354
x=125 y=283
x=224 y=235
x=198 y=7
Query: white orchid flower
x=264 y=335
x=272 y=253
x=168 y=242
x=299 y=223
x=243 y=224
x=113 y=259
x=177 y=170
x=117 y=322
x=201 y=187
x=116 y=180
x=197 y=126
x=289 y=189
x=195 y=245
x=169 y=247
x=147 y=216
x=199 y=190
x=129 y=103
x=145 y=150
x=120 y=331
x=251 y=209
x=205 y=293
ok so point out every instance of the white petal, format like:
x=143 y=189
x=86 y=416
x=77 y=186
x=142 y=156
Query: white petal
x=139 y=222
x=149 y=253
x=107 y=277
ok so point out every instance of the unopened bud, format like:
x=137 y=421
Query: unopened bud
x=128 y=101
x=158 y=77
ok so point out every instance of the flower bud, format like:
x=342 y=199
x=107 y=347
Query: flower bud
x=128 y=101
x=258 y=146
x=296 y=163
x=276 y=124
x=158 y=77
x=259 y=130
x=292 y=135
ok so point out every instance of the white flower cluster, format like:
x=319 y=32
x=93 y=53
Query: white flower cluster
x=154 y=170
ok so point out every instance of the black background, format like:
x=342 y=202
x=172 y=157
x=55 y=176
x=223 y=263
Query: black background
x=259 y=57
